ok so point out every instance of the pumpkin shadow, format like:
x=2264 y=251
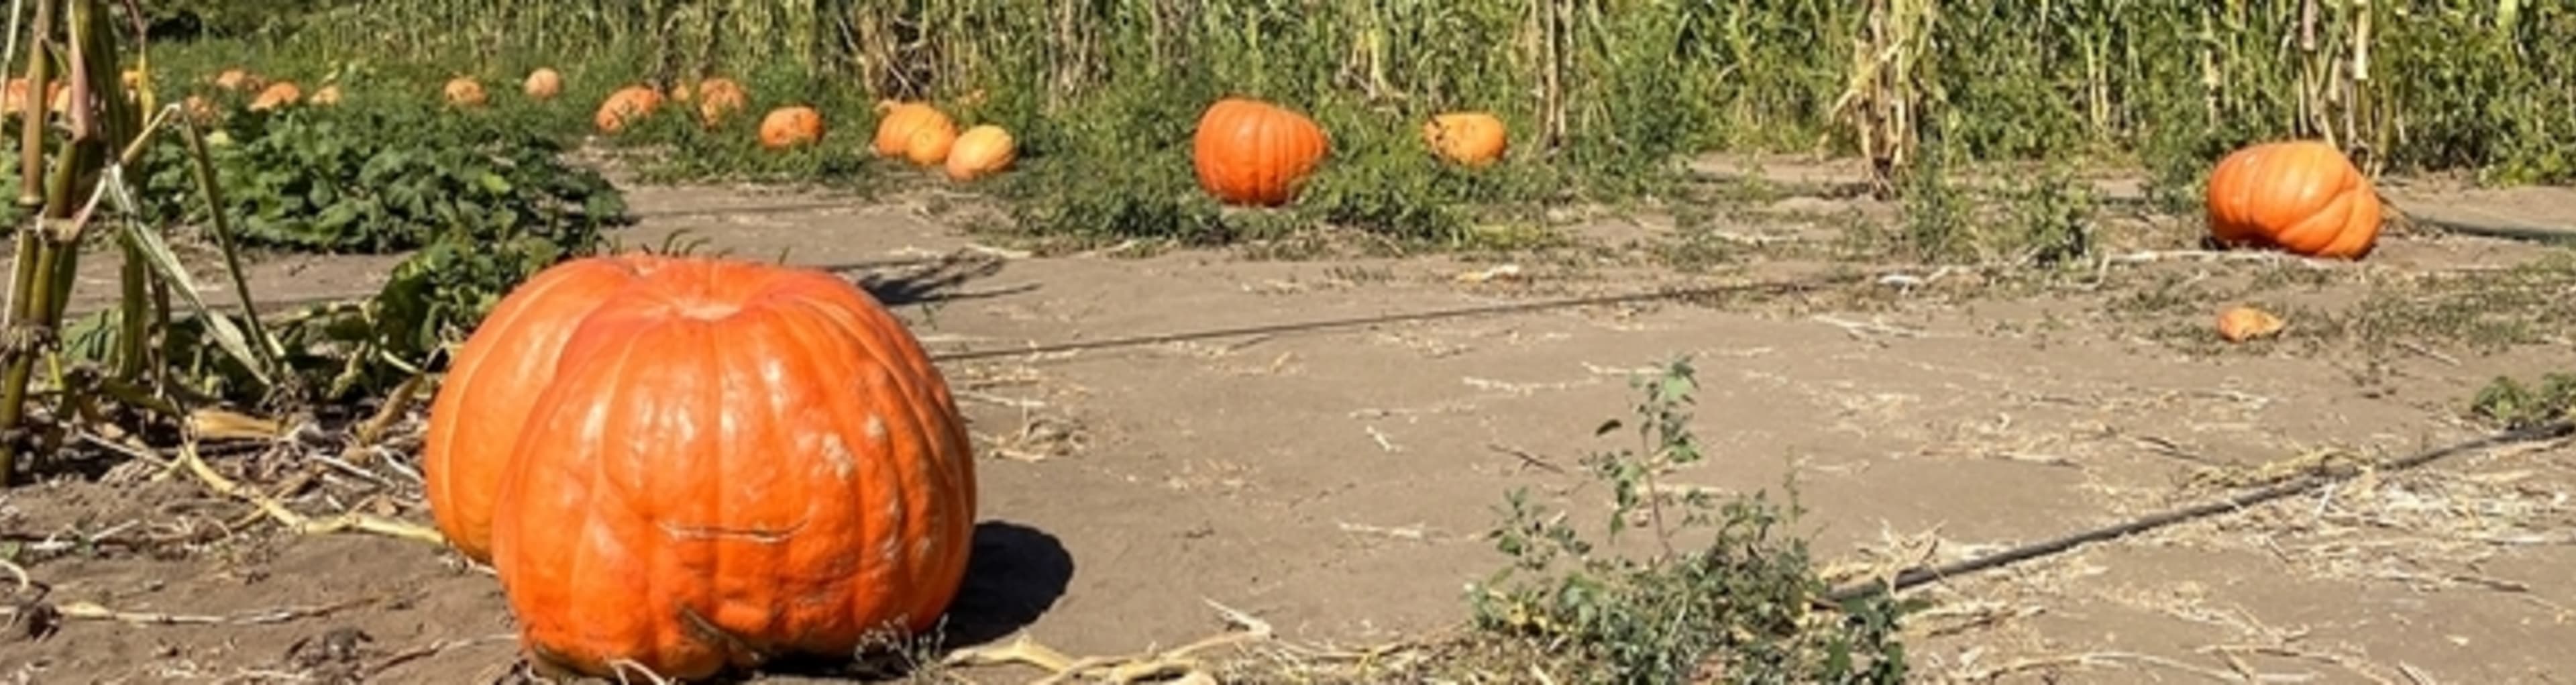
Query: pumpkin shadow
x=936 y=281
x=1015 y=574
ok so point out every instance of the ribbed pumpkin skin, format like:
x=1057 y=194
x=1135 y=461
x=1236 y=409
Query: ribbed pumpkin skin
x=719 y=98
x=902 y=122
x=279 y=94
x=626 y=106
x=2300 y=196
x=464 y=92
x=979 y=152
x=1469 y=138
x=788 y=127
x=494 y=381
x=736 y=462
x=543 y=84
x=1254 y=153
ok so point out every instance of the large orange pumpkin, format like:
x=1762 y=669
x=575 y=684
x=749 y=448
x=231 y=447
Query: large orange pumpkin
x=626 y=106
x=2301 y=196
x=543 y=84
x=1469 y=138
x=788 y=127
x=734 y=462
x=464 y=91
x=1255 y=153
x=493 y=383
x=981 y=151
x=899 y=123
x=719 y=98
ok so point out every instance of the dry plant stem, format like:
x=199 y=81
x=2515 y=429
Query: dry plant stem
x=277 y=511
x=1120 y=670
x=2322 y=477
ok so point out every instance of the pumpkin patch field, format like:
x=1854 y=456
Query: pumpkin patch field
x=1150 y=341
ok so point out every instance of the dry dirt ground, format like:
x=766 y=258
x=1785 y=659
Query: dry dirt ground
x=1337 y=483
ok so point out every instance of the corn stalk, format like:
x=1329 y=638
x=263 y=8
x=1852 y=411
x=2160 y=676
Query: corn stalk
x=106 y=136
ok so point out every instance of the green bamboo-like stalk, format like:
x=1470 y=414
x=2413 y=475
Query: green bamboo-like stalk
x=36 y=256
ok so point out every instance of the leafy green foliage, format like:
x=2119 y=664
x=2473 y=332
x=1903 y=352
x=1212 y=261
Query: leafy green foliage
x=2514 y=404
x=381 y=179
x=1742 y=606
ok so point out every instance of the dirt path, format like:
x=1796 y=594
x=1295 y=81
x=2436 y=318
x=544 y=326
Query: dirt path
x=1337 y=483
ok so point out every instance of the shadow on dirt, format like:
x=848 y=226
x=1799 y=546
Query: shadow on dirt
x=1014 y=576
x=935 y=281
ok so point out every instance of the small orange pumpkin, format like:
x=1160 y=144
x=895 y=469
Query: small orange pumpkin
x=201 y=110
x=898 y=124
x=543 y=84
x=719 y=98
x=277 y=95
x=238 y=79
x=492 y=384
x=2300 y=196
x=981 y=151
x=1251 y=152
x=2241 y=323
x=732 y=462
x=1470 y=138
x=329 y=95
x=15 y=100
x=626 y=106
x=788 y=127
x=464 y=91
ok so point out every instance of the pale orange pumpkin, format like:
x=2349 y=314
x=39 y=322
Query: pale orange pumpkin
x=899 y=123
x=2241 y=323
x=464 y=91
x=329 y=95
x=1469 y=138
x=732 y=462
x=277 y=95
x=543 y=84
x=201 y=110
x=981 y=151
x=719 y=98
x=493 y=383
x=238 y=79
x=930 y=145
x=788 y=127
x=1251 y=152
x=2300 y=196
x=625 y=107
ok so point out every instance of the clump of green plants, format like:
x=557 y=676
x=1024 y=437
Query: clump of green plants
x=1746 y=606
x=2514 y=404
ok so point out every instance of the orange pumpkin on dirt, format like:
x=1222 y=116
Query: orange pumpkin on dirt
x=464 y=92
x=981 y=151
x=732 y=462
x=277 y=95
x=543 y=84
x=900 y=123
x=1250 y=152
x=625 y=107
x=788 y=127
x=2302 y=196
x=719 y=98
x=1470 y=138
x=493 y=383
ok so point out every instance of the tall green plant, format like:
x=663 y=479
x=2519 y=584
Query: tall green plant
x=62 y=195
